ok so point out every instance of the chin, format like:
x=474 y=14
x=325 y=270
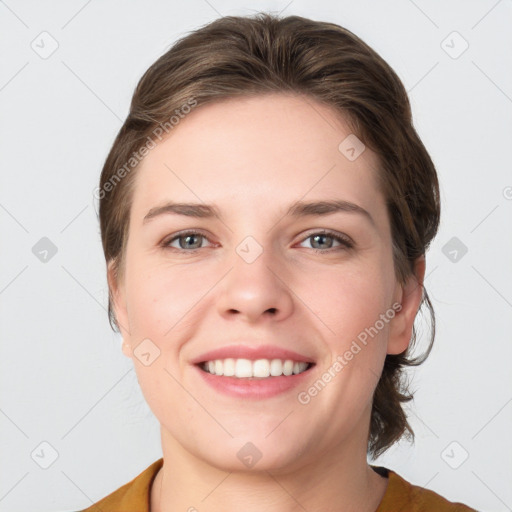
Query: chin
x=241 y=454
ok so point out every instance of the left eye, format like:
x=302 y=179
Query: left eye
x=324 y=240
x=191 y=240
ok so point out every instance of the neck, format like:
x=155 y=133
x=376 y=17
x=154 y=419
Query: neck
x=340 y=476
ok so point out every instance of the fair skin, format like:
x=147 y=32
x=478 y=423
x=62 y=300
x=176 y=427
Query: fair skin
x=252 y=158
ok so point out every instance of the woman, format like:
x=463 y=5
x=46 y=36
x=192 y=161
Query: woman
x=265 y=211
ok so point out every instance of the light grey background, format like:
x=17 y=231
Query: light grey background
x=64 y=380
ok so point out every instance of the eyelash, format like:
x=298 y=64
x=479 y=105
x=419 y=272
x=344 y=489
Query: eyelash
x=344 y=241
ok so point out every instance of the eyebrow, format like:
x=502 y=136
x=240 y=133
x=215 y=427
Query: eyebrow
x=297 y=209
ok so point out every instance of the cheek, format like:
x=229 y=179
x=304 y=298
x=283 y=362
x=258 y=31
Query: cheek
x=148 y=305
x=347 y=300
x=353 y=307
x=160 y=295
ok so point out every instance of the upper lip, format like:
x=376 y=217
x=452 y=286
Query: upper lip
x=251 y=352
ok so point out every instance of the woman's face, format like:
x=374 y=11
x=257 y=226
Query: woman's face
x=263 y=274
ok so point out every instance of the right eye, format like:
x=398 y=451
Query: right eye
x=188 y=241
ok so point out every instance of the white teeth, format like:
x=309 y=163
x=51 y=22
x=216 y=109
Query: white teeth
x=262 y=368
x=276 y=368
x=288 y=367
x=229 y=367
x=243 y=368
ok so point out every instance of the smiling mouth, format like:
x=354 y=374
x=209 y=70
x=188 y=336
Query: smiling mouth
x=259 y=368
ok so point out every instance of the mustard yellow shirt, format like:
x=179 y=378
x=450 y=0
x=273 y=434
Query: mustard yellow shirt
x=400 y=495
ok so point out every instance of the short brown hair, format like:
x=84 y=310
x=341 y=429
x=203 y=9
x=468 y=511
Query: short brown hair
x=240 y=56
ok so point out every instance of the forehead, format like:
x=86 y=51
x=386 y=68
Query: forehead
x=242 y=152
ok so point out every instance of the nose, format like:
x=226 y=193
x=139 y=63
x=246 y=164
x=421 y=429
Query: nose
x=255 y=291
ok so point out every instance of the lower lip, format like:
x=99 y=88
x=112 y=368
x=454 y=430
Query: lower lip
x=253 y=387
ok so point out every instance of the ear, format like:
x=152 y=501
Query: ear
x=116 y=287
x=410 y=296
